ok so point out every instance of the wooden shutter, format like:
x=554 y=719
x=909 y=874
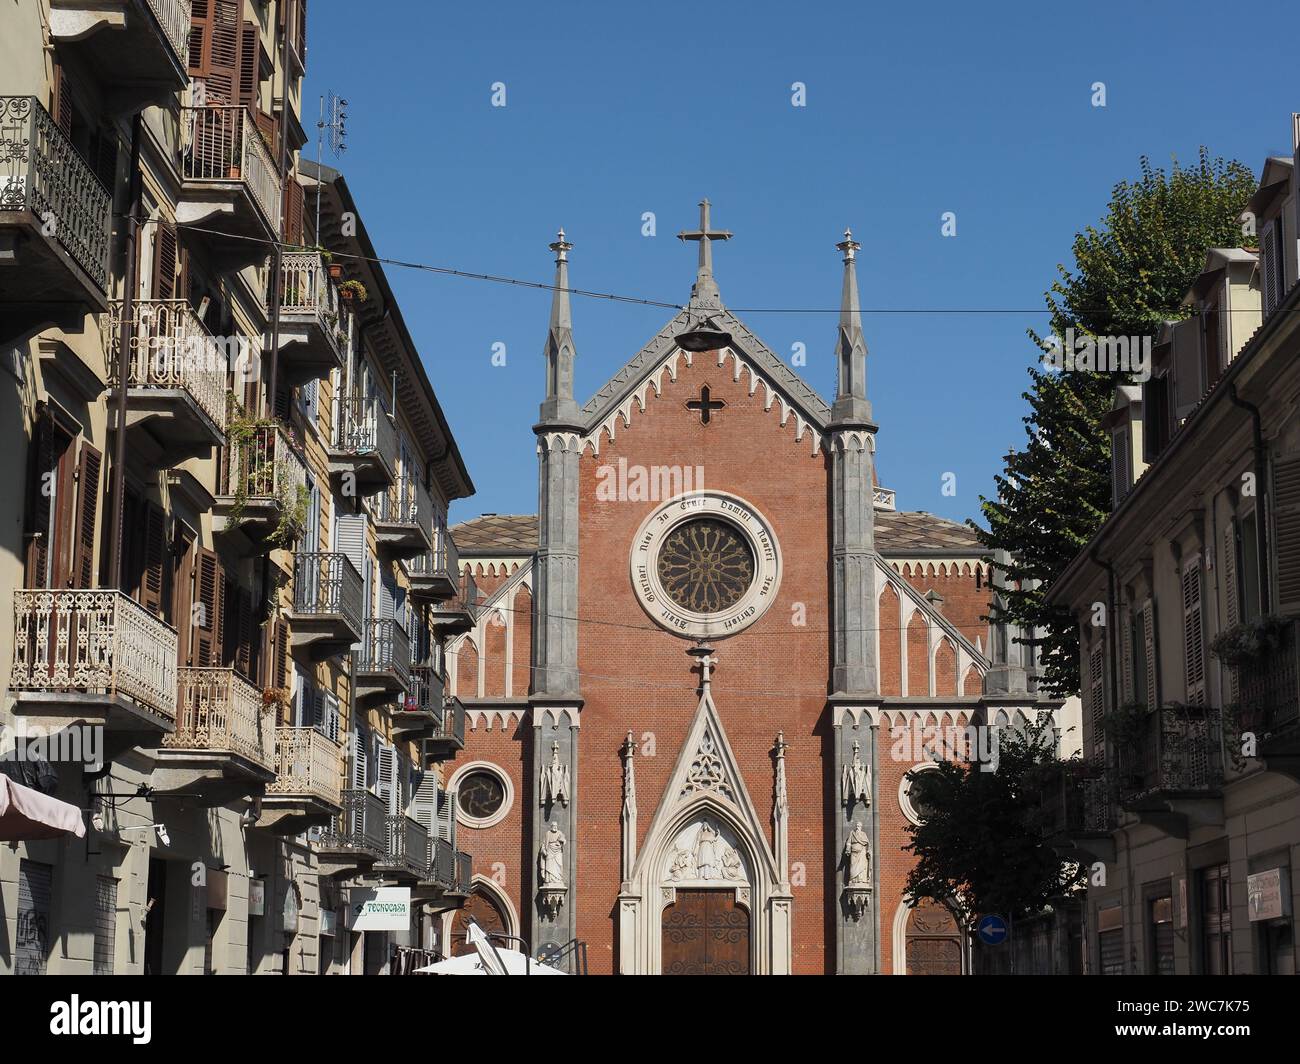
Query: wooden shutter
x=1149 y=639
x=386 y=774
x=1097 y=694
x=1286 y=532
x=326 y=714
x=1268 y=267
x=1193 y=636
x=206 y=632
x=249 y=63
x=164 y=259
x=294 y=208
x=215 y=47
x=1121 y=467
x=1232 y=613
x=1126 y=655
x=39 y=501
x=281 y=655
x=155 y=553
x=88 y=466
x=360 y=756
x=425 y=801
x=63 y=100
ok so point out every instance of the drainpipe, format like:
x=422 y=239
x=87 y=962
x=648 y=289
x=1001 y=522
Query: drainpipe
x=1261 y=472
x=126 y=336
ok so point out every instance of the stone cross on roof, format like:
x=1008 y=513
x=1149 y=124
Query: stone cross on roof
x=706 y=289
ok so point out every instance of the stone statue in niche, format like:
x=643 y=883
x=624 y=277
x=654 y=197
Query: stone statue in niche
x=555 y=779
x=857 y=856
x=709 y=857
x=551 y=857
x=855 y=780
x=708 y=852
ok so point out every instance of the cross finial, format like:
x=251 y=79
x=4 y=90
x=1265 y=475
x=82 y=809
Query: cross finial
x=849 y=246
x=706 y=289
x=703 y=653
x=561 y=247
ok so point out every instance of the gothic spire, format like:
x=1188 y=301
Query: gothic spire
x=559 y=405
x=851 y=404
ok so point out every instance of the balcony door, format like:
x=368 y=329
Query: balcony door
x=62 y=505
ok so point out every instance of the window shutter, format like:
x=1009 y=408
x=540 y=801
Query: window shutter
x=249 y=56
x=350 y=533
x=360 y=753
x=1149 y=637
x=1231 y=610
x=39 y=507
x=282 y=654
x=164 y=285
x=425 y=801
x=1119 y=466
x=1268 y=267
x=294 y=210
x=1097 y=695
x=63 y=100
x=215 y=47
x=155 y=544
x=385 y=773
x=1286 y=532
x=447 y=816
x=88 y=466
x=1126 y=654
x=1193 y=638
x=207 y=581
x=327 y=715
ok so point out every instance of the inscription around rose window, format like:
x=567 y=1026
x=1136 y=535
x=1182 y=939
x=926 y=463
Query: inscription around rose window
x=705 y=566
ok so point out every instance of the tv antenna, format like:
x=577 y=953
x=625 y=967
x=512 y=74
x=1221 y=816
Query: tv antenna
x=333 y=124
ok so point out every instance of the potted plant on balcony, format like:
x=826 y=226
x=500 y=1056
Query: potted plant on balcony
x=1250 y=642
x=351 y=290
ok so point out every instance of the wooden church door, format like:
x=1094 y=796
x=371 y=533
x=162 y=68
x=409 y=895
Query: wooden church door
x=705 y=933
x=934 y=944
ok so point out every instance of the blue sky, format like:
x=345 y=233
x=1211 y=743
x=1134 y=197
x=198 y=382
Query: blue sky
x=912 y=110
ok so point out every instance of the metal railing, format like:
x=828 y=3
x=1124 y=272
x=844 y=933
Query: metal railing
x=327 y=583
x=1268 y=690
x=41 y=172
x=442 y=862
x=365 y=427
x=174 y=19
x=405 y=502
x=1077 y=800
x=385 y=647
x=408 y=844
x=307 y=762
x=1176 y=751
x=219 y=710
x=426 y=691
x=269 y=467
x=306 y=288
x=361 y=825
x=171 y=348
x=94 y=642
x=221 y=143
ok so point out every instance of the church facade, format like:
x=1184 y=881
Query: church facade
x=703 y=672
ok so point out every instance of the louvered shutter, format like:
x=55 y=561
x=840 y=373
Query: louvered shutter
x=446 y=821
x=1126 y=670
x=155 y=554
x=164 y=283
x=360 y=756
x=39 y=502
x=205 y=631
x=1193 y=636
x=327 y=715
x=294 y=209
x=1149 y=638
x=1097 y=695
x=88 y=465
x=249 y=62
x=385 y=771
x=1231 y=610
x=1286 y=532
x=350 y=538
x=281 y=654
x=63 y=100
x=1120 y=466
x=1268 y=267
x=424 y=801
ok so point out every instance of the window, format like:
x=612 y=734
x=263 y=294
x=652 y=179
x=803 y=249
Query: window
x=1193 y=635
x=105 y=924
x=1121 y=466
x=1160 y=935
x=32 y=941
x=1248 y=568
x=1138 y=650
x=1216 y=921
x=912 y=799
x=1110 y=941
x=483 y=794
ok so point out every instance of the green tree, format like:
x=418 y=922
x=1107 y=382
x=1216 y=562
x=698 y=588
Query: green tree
x=980 y=844
x=1131 y=273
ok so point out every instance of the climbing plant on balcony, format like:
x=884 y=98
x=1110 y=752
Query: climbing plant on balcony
x=258 y=465
x=1249 y=642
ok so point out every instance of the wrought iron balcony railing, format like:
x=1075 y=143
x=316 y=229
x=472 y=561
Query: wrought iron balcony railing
x=1268 y=690
x=308 y=763
x=94 y=642
x=171 y=348
x=386 y=648
x=1176 y=752
x=219 y=711
x=362 y=826
x=174 y=18
x=406 y=502
x=451 y=729
x=42 y=172
x=268 y=467
x=1078 y=800
x=426 y=691
x=307 y=289
x=221 y=144
x=442 y=863
x=327 y=583
x=364 y=427
x=408 y=845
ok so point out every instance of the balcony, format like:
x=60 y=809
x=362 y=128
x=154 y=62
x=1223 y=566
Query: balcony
x=459 y=613
x=448 y=736
x=1268 y=697
x=306 y=790
x=223 y=745
x=1169 y=772
x=327 y=604
x=435 y=574
x=313 y=336
x=404 y=519
x=176 y=378
x=365 y=445
x=229 y=183
x=137 y=49
x=263 y=483
x=421 y=710
x=55 y=226
x=94 y=656
x=358 y=836
x=406 y=856
x=382 y=666
x=449 y=868
x=1078 y=812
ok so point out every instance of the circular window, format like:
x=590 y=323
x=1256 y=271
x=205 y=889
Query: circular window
x=484 y=794
x=705 y=565
x=912 y=792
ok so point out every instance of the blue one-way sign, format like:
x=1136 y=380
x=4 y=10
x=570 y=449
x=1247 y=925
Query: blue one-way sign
x=992 y=930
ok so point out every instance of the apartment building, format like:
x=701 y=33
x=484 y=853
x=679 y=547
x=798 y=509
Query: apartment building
x=226 y=543
x=1187 y=806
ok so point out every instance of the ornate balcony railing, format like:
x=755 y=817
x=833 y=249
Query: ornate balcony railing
x=385 y=647
x=174 y=18
x=426 y=690
x=364 y=427
x=1268 y=690
x=1176 y=751
x=221 y=143
x=408 y=844
x=442 y=862
x=94 y=642
x=41 y=172
x=452 y=727
x=1077 y=800
x=306 y=288
x=220 y=711
x=361 y=826
x=268 y=467
x=327 y=583
x=405 y=502
x=467 y=598
x=171 y=348
x=307 y=762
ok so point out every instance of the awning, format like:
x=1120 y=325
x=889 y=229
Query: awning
x=26 y=814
